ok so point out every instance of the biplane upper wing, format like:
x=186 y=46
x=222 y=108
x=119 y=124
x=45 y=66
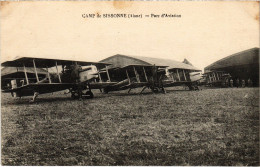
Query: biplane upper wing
x=46 y=62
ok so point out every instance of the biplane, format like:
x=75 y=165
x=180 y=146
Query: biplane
x=151 y=77
x=178 y=76
x=132 y=72
x=74 y=76
x=129 y=77
x=217 y=78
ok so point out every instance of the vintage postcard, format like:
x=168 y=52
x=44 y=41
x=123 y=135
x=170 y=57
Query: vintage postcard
x=134 y=83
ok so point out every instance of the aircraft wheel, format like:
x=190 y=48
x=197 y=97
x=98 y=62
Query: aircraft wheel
x=191 y=87
x=155 y=90
x=73 y=96
x=89 y=94
x=105 y=91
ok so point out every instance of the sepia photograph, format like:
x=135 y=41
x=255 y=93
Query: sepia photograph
x=129 y=83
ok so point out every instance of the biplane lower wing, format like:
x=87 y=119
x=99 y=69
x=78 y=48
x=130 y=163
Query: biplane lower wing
x=116 y=86
x=100 y=85
x=134 y=85
x=178 y=83
x=109 y=86
x=41 y=88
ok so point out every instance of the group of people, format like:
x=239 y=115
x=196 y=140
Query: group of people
x=238 y=83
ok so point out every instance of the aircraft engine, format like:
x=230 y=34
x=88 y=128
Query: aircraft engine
x=167 y=72
x=195 y=76
x=88 y=73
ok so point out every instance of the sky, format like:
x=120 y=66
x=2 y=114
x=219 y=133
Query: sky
x=205 y=32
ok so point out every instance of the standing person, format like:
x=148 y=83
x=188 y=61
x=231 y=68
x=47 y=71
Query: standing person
x=231 y=83
x=237 y=82
x=243 y=83
x=155 y=77
x=227 y=83
x=249 y=82
x=223 y=83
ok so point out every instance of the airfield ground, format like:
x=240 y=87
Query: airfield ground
x=208 y=127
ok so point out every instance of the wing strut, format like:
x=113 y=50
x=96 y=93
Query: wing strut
x=128 y=77
x=58 y=71
x=99 y=76
x=215 y=76
x=178 y=75
x=145 y=75
x=48 y=75
x=136 y=75
x=171 y=75
x=108 y=74
x=209 y=78
x=36 y=74
x=184 y=75
x=25 y=73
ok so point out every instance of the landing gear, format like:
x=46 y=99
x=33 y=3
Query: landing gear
x=155 y=90
x=143 y=89
x=34 y=97
x=100 y=90
x=193 y=87
x=89 y=94
x=156 y=84
x=163 y=90
x=129 y=90
x=73 y=96
x=77 y=93
x=105 y=90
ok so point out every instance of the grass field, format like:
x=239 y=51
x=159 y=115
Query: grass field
x=208 y=127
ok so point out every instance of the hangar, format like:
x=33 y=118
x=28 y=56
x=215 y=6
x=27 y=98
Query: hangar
x=241 y=65
x=120 y=61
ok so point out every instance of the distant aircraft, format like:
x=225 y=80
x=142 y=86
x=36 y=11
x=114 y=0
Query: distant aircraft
x=178 y=76
x=75 y=76
x=152 y=77
x=216 y=78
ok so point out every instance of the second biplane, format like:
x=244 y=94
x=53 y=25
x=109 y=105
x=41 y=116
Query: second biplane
x=130 y=77
x=128 y=72
x=217 y=78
